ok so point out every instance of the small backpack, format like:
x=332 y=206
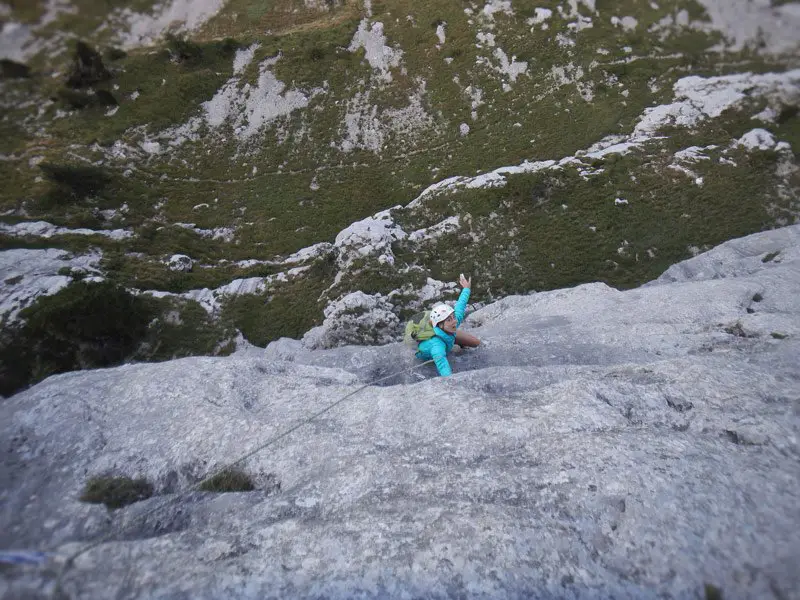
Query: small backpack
x=418 y=329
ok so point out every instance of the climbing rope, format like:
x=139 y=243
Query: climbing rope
x=71 y=559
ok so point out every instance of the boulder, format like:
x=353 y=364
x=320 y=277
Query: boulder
x=180 y=263
x=356 y=318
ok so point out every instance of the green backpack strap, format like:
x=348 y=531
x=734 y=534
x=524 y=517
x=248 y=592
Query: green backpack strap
x=418 y=329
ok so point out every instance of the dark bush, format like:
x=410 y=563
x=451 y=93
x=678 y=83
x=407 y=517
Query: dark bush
x=191 y=53
x=228 y=46
x=99 y=323
x=106 y=98
x=85 y=325
x=181 y=49
x=17 y=361
x=114 y=53
x=316 y=54
x=87 y=67
x=78 y=100
x=74 y=182
x=116 y=492
x=229 y=480
x=787 y=114
x=74 y=99
x=184 y=329
x=10 y=69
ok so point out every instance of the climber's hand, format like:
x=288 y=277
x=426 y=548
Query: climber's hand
x=465 y=283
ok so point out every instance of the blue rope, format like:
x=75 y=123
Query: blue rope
x=22 y=557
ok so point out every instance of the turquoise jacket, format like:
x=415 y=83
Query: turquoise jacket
x=442 y=342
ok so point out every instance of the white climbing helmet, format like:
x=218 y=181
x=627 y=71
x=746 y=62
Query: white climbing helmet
x=440 y=312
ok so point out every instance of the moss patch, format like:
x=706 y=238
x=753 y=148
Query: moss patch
x=712 y=592
x=229 y=480
x=116 y=492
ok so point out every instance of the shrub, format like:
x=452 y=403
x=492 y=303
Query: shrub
x=229 y=480
x=787 y=114
x=74 y=99
x=78 y=100
x=16 y=360
x=100 y=322
x=87 y=67
x=85 y=325
x=73 y=182
x=290 y=311
x=316 y=54
x=73 y=273
x=106 y=98
x=186 y=330
x=116 y=492
x=188 y=52
x=10 y=69
x=181 y=49
x=114 y=53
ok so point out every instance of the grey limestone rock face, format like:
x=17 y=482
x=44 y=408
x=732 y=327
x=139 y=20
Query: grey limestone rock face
x=599 y=444
x=738 y=257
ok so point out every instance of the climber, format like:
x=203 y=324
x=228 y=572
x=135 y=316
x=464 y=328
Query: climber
x=437 y=334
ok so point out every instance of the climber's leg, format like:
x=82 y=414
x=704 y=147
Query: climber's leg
x=466 y=340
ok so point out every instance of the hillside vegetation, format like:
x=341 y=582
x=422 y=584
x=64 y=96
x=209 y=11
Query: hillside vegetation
x=263 y=140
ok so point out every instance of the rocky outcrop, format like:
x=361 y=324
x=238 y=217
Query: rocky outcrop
x=356 y=318
x=637 y=444
x=180 y=263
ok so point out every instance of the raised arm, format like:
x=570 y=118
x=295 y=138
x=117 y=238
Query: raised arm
x=463 y=298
